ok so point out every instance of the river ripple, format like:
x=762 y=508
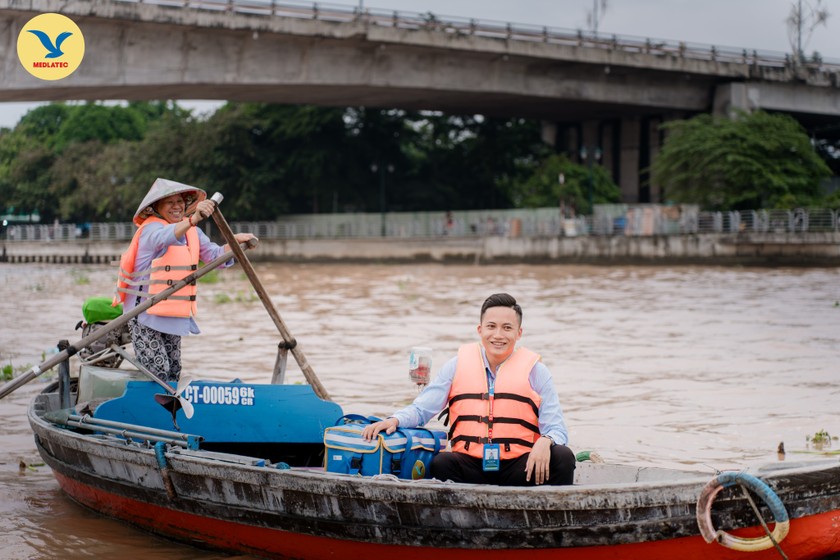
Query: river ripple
x=687 y=367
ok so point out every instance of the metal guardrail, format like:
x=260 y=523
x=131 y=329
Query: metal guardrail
x=341 y=13
x=646 y=220
x=630 y=220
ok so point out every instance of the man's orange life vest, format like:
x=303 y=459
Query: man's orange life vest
x=175 y=264
x=510 y=417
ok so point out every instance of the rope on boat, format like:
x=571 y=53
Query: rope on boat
x=163 y=464
x=747 y=481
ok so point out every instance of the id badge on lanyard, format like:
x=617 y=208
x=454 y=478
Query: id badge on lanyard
x=492 y=451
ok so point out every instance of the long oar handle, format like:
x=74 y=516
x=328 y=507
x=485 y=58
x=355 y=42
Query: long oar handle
x=120 y=321
x=142 y=369
x=288 y=339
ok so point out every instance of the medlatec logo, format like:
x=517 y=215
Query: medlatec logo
x=50 y=46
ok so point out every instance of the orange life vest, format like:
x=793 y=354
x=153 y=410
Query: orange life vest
x=175 y=264
x=510 y=418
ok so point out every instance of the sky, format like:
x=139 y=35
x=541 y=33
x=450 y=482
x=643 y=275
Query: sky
x=750 y=24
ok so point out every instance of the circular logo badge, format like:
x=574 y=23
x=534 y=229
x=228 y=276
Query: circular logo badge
x=50 y=46
x=419 y=471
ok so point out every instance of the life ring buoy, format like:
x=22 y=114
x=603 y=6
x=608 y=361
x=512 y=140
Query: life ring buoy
x=730 y=478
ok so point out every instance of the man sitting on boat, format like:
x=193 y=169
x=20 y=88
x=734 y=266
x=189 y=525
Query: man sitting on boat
x=506 y=423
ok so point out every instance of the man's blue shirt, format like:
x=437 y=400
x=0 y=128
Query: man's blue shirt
x=435 y=396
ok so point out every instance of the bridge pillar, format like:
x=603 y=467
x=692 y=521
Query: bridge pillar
x=655 y=145
x=650 y=144
x=608 y=141
x=623 y=147
x=568 y=140
x=548 y=133
x=628 y=180
x=590 y=138
x=729 y=97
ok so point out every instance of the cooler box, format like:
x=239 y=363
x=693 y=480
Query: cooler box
x=407 y=453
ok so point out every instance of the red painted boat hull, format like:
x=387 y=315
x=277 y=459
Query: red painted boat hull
x=810 y=537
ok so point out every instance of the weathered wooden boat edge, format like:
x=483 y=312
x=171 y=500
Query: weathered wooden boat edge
x=298 y=511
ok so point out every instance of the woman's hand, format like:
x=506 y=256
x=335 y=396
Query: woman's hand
x=243 y=237
x=240 y=238
x=203 y=209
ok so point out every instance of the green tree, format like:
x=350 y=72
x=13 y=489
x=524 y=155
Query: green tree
x=472 y=161
x=172 y=148
x=44 y=122
x=91 y=182
x=500 y=153
x=25 y=162
x=94 y=161
x=755 y=160
x=303 y=154
x=544 y=187
x=106 y=123
x=379 y=160
x=26 y=183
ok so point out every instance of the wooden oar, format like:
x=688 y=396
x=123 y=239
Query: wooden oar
x=289 y=341
x=120 y=321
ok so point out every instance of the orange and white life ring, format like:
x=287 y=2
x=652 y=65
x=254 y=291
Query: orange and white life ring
x=730 y=478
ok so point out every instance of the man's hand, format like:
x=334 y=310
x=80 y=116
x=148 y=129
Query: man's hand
x=372 y=430
x=539 y=461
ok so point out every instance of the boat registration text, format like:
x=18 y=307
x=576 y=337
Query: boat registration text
x=220 y=394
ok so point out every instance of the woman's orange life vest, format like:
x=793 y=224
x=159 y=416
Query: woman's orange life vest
x=510 y=417
x=175 y=264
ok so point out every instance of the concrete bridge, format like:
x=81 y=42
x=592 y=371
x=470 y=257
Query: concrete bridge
x=591 y=91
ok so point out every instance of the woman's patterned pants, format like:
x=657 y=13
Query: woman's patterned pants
x=159 y=352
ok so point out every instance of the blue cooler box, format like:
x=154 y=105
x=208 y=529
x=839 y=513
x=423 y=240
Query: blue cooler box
x=406 y=453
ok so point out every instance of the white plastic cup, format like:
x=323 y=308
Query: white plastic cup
x=420 y=365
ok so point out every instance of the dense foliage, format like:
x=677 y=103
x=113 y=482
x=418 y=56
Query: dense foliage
x=560 y=181
x=94 y=162
x=756 y=160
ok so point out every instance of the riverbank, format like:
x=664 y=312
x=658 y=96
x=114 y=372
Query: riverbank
x=757 y=249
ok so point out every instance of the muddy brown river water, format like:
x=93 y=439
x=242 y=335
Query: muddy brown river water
x=686 y=367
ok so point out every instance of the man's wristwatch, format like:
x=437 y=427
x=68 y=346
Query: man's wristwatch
x=549 y=439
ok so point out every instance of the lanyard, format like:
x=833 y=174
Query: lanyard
x=491 y=384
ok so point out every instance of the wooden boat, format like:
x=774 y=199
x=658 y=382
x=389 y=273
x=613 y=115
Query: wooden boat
x=237 y=467
x=245 y=477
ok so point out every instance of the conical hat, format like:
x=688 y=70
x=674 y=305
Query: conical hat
x=162 y=188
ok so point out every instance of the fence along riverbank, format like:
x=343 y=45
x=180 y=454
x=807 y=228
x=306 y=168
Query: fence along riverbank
x=615 y=233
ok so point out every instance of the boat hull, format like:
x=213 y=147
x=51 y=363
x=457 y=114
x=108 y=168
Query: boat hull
x=274 y=542
x=222 y=502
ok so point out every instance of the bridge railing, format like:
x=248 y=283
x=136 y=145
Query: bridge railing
x=626 y=220
x=343 y=13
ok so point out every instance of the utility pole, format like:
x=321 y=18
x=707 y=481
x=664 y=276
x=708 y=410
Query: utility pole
x=799 y=31
x=596 y=15
x=801 y=25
